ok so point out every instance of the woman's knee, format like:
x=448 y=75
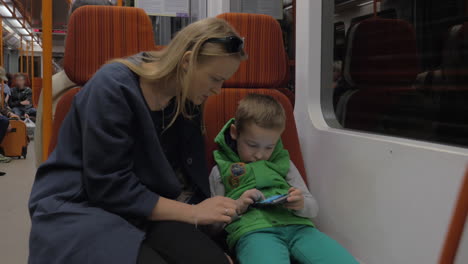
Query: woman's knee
x=183 y=243
x=149 y=256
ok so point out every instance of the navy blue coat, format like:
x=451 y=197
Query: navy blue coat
x=90 y=200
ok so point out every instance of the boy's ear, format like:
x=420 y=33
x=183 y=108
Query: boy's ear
x=233 y=131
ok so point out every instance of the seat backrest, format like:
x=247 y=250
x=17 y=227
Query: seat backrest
x=220 y=108
x=97 y=34
x=381 y=54
x=267 y=65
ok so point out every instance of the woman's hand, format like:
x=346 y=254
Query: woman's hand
x=295 y=200
x=214 y=210
x=248 y=198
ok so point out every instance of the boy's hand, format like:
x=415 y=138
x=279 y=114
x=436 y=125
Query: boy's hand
x=295 y=200
x=248 y=198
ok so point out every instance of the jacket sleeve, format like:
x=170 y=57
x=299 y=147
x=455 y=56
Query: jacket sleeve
x=294 y=179
x=5 y=112
x=106 y=124
x=14 y=101
x=216 y=184
x=28 y=93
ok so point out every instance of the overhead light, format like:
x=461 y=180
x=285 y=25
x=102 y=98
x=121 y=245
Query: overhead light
x=22 y=31
x=4 y=12
x=5 y=26
x=14 y=23
x=366 y=3
x=345 y=3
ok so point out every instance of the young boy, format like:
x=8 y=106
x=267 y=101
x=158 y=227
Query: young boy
x=251 y=165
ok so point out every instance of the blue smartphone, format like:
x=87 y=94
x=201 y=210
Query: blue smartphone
x=273 y=200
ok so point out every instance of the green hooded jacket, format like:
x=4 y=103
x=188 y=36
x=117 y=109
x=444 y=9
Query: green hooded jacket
x=268 y=176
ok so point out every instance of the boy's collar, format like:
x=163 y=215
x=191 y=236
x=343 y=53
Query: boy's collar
x=232 y=143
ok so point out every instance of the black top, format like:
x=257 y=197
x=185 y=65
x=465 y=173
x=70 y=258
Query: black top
x=169 y=141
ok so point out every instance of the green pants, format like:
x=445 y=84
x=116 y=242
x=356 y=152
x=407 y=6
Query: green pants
x=301 y=244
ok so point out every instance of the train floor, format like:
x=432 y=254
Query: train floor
x=15 y=188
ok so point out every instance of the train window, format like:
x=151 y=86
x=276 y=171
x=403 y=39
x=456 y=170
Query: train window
x=402 y=71
x=166 y=26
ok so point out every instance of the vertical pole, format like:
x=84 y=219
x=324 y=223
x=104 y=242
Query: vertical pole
x=119 y=2
x=32 y=48
x=35 y=95
x=21 y=54
x=47 y=76
x=27 y=58
x=1 y=43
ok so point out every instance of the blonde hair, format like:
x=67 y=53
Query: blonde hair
x=261 y=110
x=191 y=38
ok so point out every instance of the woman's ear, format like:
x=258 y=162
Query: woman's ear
x=186 y=60
x=233 y=131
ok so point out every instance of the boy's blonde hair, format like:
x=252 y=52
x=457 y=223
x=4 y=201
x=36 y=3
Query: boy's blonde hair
x=191 y=38
x=261 y=110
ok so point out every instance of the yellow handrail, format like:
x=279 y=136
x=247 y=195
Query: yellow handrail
x=119 y=2
x=47 y=76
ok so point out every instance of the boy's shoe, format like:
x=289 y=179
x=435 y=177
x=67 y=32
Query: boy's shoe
x=2 y=173
x=4 y=159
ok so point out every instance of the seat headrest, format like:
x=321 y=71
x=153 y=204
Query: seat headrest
x=97 y=34
x=381 y=52
x=266 y=65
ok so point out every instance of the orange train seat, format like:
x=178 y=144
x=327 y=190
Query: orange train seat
x=97 y=34
x=220 y=108
x=267 y=65
x=63 y=106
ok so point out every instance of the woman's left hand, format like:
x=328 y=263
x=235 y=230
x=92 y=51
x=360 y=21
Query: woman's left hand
x=295 y=200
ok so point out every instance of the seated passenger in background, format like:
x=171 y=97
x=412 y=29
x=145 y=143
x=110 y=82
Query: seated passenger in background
x=6 y=87
x=21 y=98
x=251 y=165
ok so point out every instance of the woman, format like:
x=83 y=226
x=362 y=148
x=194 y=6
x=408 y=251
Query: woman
x=129 y=163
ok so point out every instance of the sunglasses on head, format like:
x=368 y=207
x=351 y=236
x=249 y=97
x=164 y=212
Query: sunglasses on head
x=233 y=44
